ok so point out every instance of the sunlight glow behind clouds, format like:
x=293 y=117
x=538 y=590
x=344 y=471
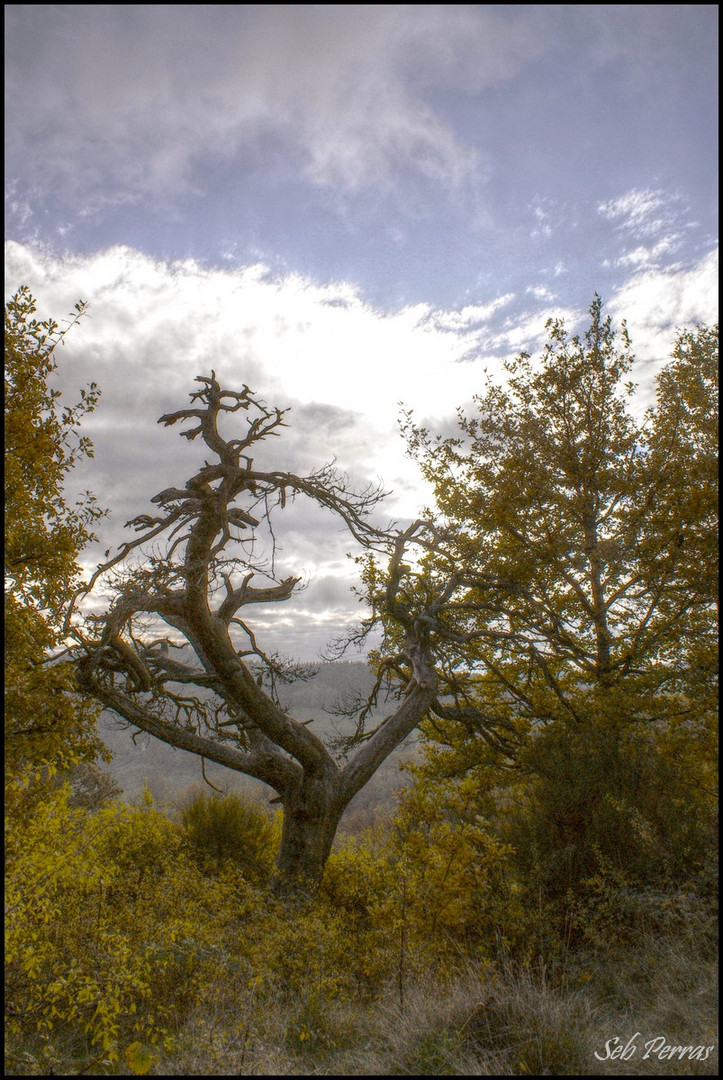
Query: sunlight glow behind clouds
x=342 y=366
x=308 y=341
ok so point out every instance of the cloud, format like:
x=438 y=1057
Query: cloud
x=642 y=256
x=655 y=217
x=542 y=292
x=112 y=104
x=471 y=315
x=643 y=213
x=542 y=210
x=341 y=365
x=656 y=303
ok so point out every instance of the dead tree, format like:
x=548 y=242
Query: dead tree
x=212 y=698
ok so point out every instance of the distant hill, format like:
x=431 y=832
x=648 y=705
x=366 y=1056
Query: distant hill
x=139 y=760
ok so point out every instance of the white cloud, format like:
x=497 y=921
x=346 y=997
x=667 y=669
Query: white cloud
x=657 y=218
x=527 y=332
x=636 y=210
x=109 y=104
x=342 y=365
x=543 y=227
x=644 y=257
x=645 y=214
x=540 y=291
x=471 y=315
x=655 y=303
x=550 y=215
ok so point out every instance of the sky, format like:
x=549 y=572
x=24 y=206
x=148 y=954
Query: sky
x=352 y=209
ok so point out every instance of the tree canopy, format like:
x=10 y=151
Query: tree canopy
x=44 y=535
x=571 y=549
x=572 y=545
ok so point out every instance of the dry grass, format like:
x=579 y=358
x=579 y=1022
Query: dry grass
x=483 y=1020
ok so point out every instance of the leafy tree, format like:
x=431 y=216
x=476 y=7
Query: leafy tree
x=217 y=698
x=45 y=722
x=682 y=475
x=566 y=577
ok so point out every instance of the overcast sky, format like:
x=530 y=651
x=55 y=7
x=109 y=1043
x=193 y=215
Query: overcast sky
x=348 y=207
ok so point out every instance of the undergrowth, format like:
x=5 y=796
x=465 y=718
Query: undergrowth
x=130 y=951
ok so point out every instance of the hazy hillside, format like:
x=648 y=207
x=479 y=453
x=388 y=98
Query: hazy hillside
x=140 y=760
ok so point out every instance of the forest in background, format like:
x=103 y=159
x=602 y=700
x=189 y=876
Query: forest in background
x=548 y=911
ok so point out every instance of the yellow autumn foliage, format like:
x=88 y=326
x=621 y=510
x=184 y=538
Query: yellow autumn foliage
x=108 y=925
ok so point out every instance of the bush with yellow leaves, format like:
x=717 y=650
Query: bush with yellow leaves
x=109 y=928
x=437 y=884
x=231 y=829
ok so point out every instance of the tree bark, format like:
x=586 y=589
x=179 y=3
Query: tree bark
x=311 y=818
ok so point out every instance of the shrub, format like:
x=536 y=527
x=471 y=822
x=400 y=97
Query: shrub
x=109 y=928
x=231 y=829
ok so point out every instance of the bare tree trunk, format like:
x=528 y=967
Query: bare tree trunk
x=311 y=818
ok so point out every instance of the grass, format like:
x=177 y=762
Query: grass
x=482 y=1019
